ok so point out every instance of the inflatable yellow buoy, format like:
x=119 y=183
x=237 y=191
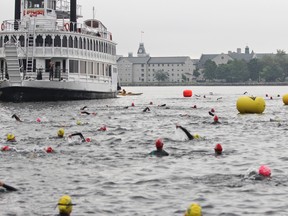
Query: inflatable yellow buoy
x=285 y=99
x=246 y=104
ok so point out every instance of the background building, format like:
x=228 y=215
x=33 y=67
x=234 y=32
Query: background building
x=147 y=70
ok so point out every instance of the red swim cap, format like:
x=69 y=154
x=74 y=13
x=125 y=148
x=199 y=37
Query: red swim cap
x=215 y=118
x=88 y=139
x=159 y=143
x=212 y=110
x=218 y=148
x=132 y=104
x=103 y=128
x=265 y=171
x=5 y=148
x=49 y=150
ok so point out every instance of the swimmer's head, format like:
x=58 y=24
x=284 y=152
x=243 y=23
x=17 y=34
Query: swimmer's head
x=78 y=122
x=264 y=171
x=218 y=149
x=151 y=103
x=132 y=104
x=194 y=210
x=196 y=136
x=49 y=149
x=159 y=143
x=5 y=148
x=65 y=205
x=10 y=137
x=38 y=120
x=60 y=132
x=212 y=110
x=88 y=139
x=215 y=118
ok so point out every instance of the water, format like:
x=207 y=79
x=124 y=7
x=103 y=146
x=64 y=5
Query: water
x=112 y=175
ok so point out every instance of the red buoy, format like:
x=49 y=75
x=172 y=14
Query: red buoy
x=187 y=93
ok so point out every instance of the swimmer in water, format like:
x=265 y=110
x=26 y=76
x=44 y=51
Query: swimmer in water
x=218 y=149
x=193 y=210
x=7 y=187
x=16 y=117
x=264 y=172
x=88 y=113
x=159 y=152
x=146 y=109
x=216 y=120
x=78 y=134
x=11 y=138
x=65 y=205
x=83 y=108
x=190 y=136
x=162 y=105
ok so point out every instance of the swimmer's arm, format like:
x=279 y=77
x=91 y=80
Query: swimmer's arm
x=78 y=134
x=186 y=132
x=7 y=187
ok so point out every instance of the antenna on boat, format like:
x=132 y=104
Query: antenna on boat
x=93 y=12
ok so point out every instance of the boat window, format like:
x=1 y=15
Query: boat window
x=48 y=41
x=84 y=43
x=80 y=43
x=88 y=44
x=94 y=45
x=6 y=38
x=57 y=41
x=83 y=67
x=39 y=41
x=1 y=41
x=75 y=42
x=36 y=4
x=91 y=45
x=73 y=66
x=97 y=46
x=22 y=41
x=64 y=41
x=70 y=42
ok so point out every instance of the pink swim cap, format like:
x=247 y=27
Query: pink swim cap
x=265 y=171
x=215 y=118
x=218 y=148
x=88 y=139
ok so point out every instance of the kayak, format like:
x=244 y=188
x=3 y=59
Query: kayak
x=128 y=93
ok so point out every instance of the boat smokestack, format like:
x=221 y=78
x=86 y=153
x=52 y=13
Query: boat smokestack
x=73 y=15
x=17 y=15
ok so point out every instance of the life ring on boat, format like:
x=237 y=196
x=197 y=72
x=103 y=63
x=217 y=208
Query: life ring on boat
x=3 y=26
x=67 y=26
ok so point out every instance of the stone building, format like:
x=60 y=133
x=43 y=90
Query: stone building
x=142 y=69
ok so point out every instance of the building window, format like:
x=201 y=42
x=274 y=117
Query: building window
x=142 y=65
x=64 y=41
x=142 y=70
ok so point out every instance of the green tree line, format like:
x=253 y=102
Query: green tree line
x=270 y=68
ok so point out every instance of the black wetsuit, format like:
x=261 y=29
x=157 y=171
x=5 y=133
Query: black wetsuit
x=159 y=153
x=146 y=109
x=16 y=117
x=78 y=134
x=190 y=136
x=9 y=188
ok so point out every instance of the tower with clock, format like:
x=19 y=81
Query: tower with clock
x=141 y=51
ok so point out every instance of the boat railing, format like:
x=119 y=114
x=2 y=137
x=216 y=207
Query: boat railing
x=50 y=25
x=62 y=75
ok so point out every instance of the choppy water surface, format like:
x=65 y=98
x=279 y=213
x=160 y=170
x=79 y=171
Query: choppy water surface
x=112 y=175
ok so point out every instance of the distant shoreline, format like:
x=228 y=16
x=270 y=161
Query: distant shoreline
x=208 y=84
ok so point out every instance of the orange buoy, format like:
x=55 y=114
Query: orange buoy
x=187 y=93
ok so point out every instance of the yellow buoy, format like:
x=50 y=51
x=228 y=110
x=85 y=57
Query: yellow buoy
x=246 y=104
x=285 y=99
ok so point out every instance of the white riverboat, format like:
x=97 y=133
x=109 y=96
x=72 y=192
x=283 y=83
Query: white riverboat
x=46 y=55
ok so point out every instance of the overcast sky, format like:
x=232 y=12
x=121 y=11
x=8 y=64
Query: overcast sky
x=188 y=27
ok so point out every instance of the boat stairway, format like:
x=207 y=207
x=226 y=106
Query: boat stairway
x=13 y=67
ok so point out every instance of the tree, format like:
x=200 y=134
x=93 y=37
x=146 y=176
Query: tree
x=254 y=68
x=210 y=69
x=161 y=76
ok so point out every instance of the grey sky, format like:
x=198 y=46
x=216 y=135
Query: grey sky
x=189 y=27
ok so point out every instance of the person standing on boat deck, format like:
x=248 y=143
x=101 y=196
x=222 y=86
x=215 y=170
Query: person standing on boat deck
x=159 y=152
x=51 y=70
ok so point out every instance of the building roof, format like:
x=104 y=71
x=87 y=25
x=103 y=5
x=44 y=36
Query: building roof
x=168 y=60
x=135 y=60
x=241 y=56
